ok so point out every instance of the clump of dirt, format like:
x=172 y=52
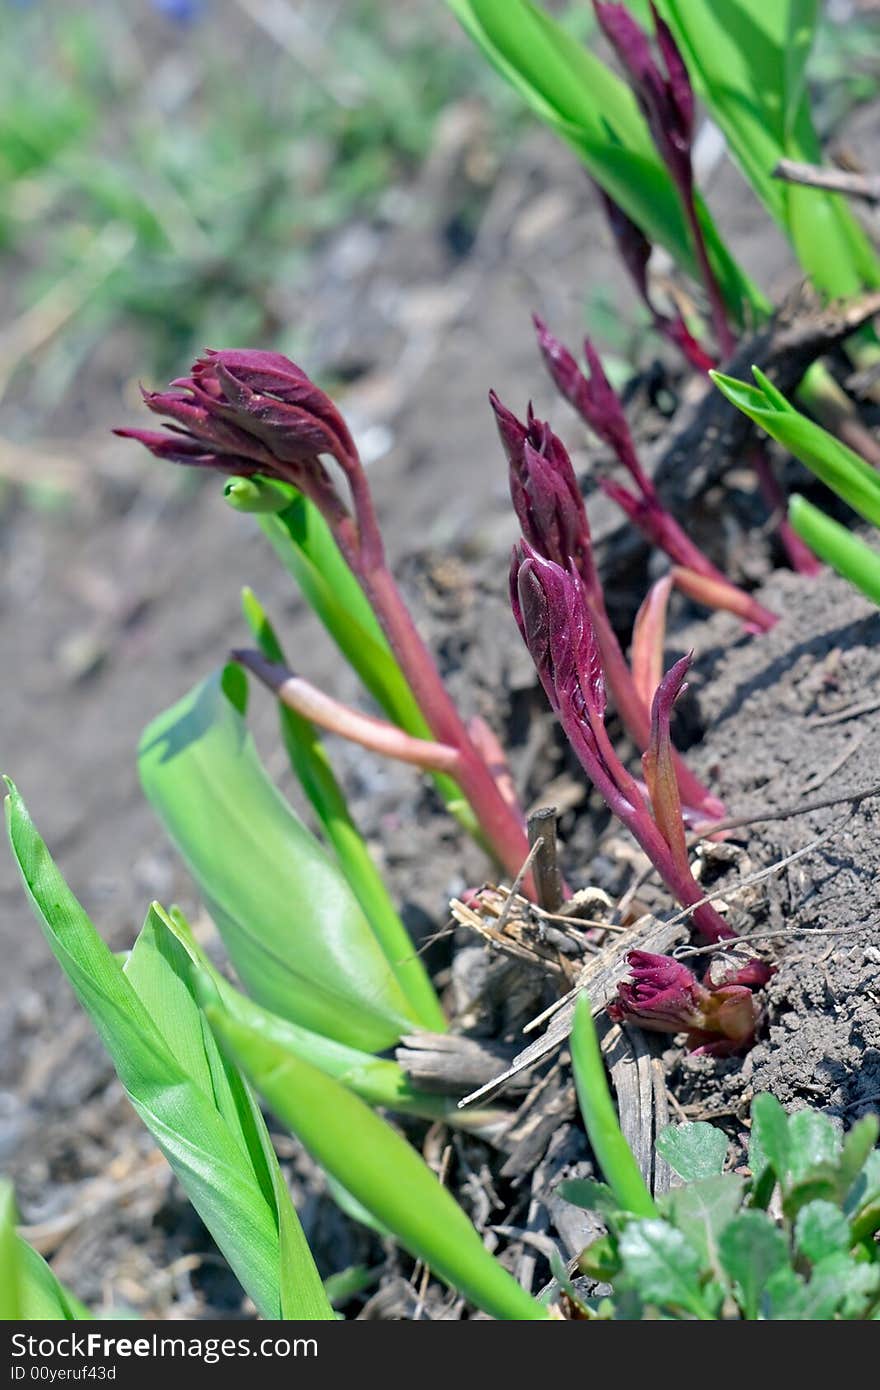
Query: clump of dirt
x=792 y=718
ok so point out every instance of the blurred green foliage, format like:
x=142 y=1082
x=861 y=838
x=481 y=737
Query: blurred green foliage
x=174 y=179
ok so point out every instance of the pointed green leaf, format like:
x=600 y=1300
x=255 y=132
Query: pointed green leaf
x=377 y=1167
x=196 y=1108
x=43 y=1297
x=292 y=927
x=752 y=1249
x=833 y=463
x=10 y=1292
x=375 y=1079
x=616 y=1159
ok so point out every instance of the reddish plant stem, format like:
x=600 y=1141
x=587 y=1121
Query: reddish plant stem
x=501 y=823
x=724 y=336
x=377 y=735
x=800 y=556
x=362 y=548
x=711 y=594
x=662 y=530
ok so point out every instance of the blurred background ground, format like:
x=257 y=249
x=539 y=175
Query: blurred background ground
x=343 y=180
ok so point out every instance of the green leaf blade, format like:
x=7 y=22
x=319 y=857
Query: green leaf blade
x=211 y=1157
x=291 y=925
x=378 y=1168
x=849 y=555
x=664 y=1268
x=616 y=1159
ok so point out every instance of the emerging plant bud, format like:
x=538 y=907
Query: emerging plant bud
x=664 y=996
x=248 y=412
x=551 y=611
x=551 y=511
x=664 y=93
x=552 y=617
x=545 y=494
x=593 y=397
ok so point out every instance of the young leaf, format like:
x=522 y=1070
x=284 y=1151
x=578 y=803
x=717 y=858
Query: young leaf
x=863 y=1204
x=702 y=1209
x=614 y=1155
x=833 y=463
x=214 y=1139
x=815 y=1144
x=769 y=1141
x=10 y=1291
x=312 y=767
x=293 y=930
x=375 y=1079
x=857 y=1151
x=589 y=1194
x=693 y=1150
x=377 y=1167
x=838 y=1288
x=821 y=1229
x=664 y=1268
x=43 y=1297
x=600 y=1260
x=852 y=1286
x=752 y=1249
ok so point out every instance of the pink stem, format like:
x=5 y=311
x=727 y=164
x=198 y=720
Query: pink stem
x=721 y=594
x=489 y=748
x=361 y=544
x=378 y=735
x=501 y=823
x=800 y=556
x=662 y=530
